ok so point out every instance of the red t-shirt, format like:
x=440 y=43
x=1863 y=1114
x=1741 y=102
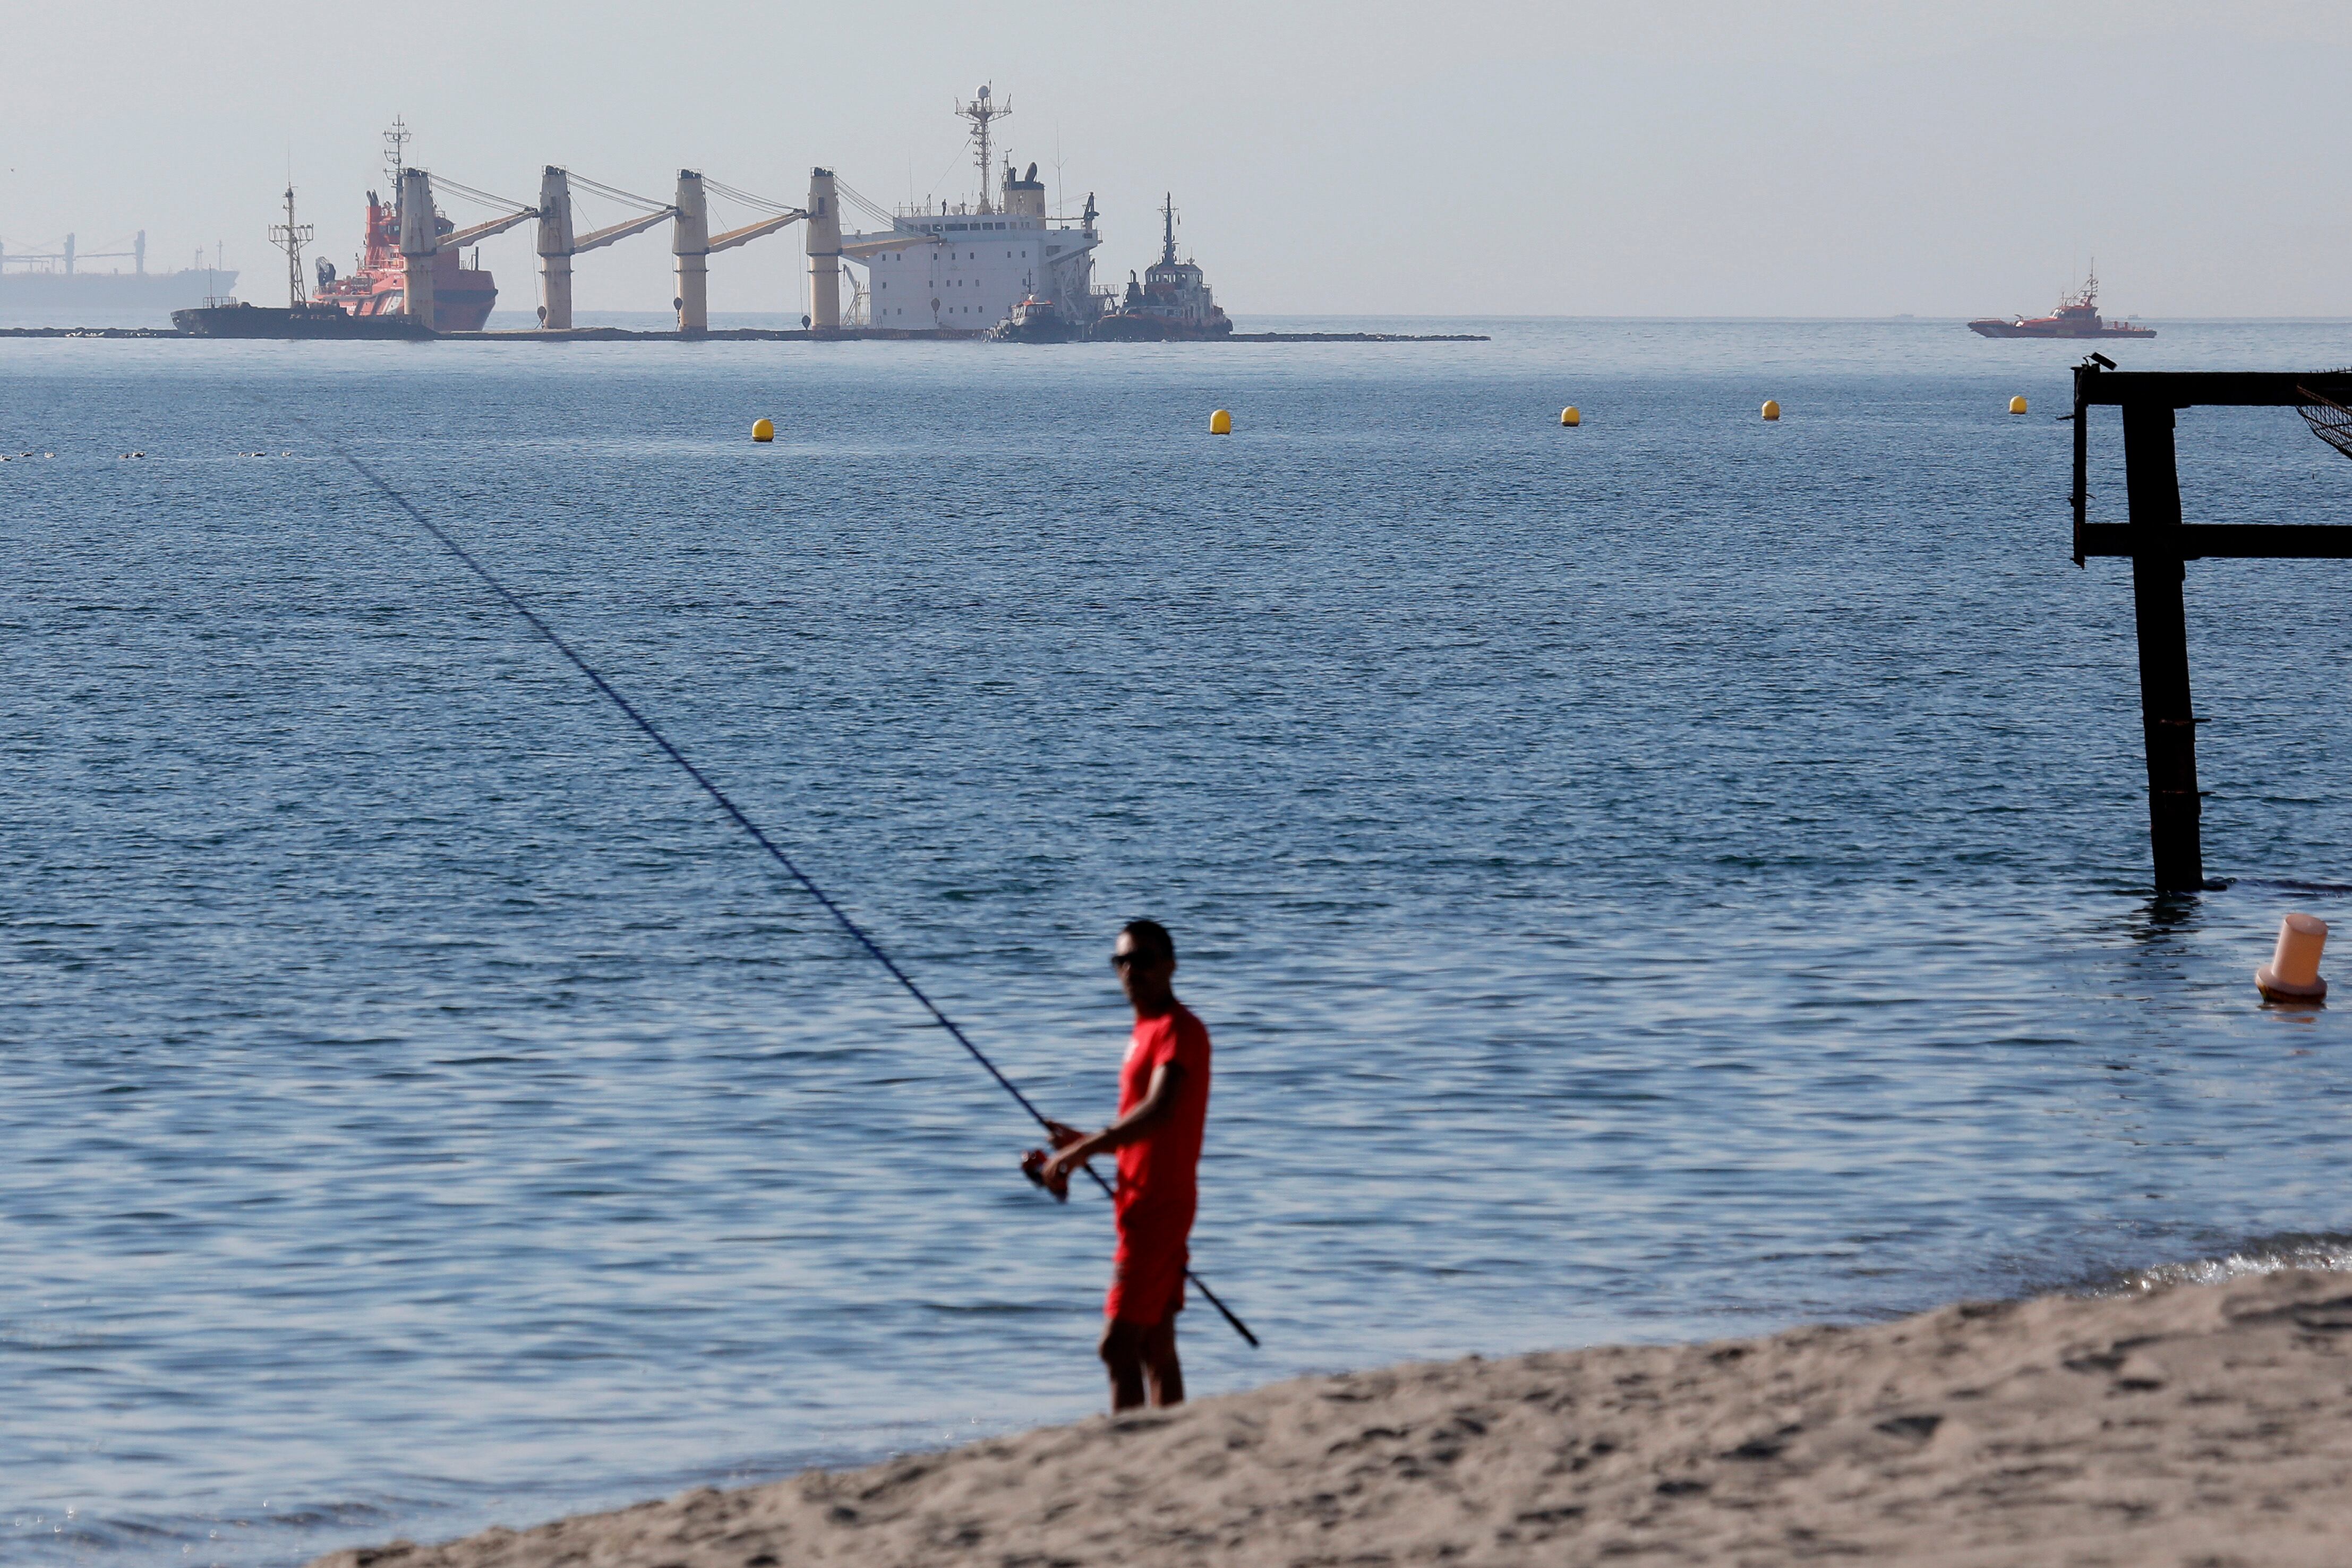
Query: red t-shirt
x=1156 y=1172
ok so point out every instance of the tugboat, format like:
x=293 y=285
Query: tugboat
x=1033 y=321
x=2077 y=316
x=301 y=318
x=1172 y=301
x=462 y=296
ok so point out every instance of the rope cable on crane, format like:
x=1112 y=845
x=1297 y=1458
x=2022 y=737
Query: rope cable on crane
x=849 y=193
x=613 y=193
x=741 y=819
x=442 y=182
x=746 y=198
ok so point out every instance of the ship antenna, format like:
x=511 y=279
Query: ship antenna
x=982 y=111
x=288 y=236
x=395 y=158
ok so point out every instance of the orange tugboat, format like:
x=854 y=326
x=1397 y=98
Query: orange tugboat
x=2078 y=317
x=462 y=296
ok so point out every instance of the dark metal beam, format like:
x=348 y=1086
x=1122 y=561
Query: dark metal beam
x=2167 y=728
x=2224 y=542
x=2158 y=543
x=2229 y=389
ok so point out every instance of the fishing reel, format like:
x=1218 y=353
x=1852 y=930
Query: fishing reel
x=1033 y=1165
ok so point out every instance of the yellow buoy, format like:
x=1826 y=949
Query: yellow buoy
x=1771 y=409
x=1569 y=417
x=2016 y=405
x=1221 y=423
x=763 y=429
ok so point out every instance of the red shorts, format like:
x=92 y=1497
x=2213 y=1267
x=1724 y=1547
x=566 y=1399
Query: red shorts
x=1146 y=1273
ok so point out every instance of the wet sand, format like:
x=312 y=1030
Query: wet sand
x=2195 y=1424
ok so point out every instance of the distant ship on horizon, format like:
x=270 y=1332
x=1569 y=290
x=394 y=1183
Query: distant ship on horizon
x=2077 y=316
x=49 y=279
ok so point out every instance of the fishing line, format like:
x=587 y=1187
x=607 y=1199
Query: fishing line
x=841 y=916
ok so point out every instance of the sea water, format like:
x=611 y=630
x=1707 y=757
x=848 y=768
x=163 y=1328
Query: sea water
x=1672 y=877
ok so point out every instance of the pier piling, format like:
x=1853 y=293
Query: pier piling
x=2160 y=544
x=2161 y=612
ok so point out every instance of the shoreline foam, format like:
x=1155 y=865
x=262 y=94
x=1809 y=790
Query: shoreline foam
x=2192 y=1423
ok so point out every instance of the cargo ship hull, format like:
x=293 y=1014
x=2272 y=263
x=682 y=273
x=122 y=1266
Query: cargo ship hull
x=112 y=290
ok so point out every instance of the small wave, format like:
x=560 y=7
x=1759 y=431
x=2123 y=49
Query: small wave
x=2267 y=1255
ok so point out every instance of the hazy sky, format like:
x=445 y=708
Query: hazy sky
x=1557 y=159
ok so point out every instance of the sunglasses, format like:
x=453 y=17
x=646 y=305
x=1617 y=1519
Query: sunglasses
x=1123 y=961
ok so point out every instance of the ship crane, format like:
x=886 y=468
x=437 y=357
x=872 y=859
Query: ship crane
x=692 y=243
x=558 y=242
x=420 y=238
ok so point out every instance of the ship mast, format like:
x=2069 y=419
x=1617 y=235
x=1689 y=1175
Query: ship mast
x=289 y=236
x=1168 y=239
x=982 y=111
x=395 y=157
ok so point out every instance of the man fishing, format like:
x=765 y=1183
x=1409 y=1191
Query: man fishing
x=1163 y=1108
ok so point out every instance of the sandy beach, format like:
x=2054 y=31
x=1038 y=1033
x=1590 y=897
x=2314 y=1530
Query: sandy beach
x=2202 y=1425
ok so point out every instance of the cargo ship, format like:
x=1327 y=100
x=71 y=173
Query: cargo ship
x=2077 y=316
x=1172 y=301
x=961 y=268
x=58 y=278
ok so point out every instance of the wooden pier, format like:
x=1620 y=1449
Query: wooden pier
x=2160 y=543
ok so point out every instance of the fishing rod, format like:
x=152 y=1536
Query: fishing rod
x=841 y=916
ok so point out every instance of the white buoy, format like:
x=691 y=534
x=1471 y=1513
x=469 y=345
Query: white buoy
x=2292 y=973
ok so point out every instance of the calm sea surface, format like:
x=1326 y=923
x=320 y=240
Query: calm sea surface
x=1669 y=878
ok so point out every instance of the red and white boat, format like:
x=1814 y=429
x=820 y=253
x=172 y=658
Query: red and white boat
x=2077 y=316
x=462 y=296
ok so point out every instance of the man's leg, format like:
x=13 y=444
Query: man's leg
x=1122 y=1350
x=1160 y=1368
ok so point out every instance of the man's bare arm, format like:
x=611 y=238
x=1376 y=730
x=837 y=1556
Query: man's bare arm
x=1159 y=1100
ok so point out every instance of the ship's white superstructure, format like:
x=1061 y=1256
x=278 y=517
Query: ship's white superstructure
x=963 y=267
